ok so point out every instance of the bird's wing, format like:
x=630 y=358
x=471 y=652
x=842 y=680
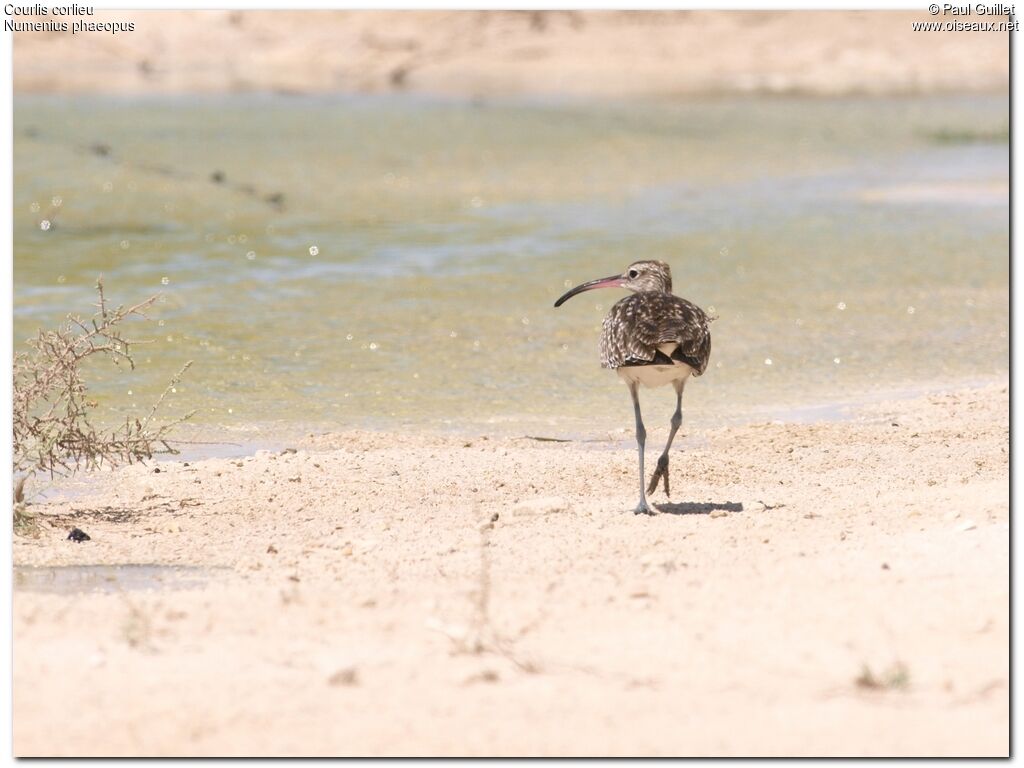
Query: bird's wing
x=638 y=324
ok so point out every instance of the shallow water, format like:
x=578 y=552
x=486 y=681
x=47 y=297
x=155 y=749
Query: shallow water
x=330 y=263
x=133 y=577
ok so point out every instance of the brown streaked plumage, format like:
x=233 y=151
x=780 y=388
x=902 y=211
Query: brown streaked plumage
x=651 y=338
x=637 y=325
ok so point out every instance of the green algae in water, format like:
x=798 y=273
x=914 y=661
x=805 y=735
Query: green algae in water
x=407 y=276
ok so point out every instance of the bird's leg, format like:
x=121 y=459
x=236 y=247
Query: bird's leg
x=677 y=418
x=641 y=441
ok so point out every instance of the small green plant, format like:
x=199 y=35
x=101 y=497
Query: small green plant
x=895 y=678
x=54 y=433
x=999 y=135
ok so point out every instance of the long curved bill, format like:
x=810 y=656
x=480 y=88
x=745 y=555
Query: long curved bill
x=615 y=281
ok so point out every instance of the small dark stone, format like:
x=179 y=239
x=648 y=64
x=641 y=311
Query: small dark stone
x=276 y=199
x=494 y=517
x=885 y=566
x=218 y=177
x=347 y=676
x=78 y=535
x=156 y=470
x=102 y=150
x=398 y=75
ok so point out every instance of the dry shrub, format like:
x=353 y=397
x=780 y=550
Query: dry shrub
x=896 y=678
x=53 y=429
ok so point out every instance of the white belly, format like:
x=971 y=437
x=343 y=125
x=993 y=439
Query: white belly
x=654 y=375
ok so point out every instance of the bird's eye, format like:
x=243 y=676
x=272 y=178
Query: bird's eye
x=633 y=274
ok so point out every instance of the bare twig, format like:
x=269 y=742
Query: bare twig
x=484 y=637
x=53 y=429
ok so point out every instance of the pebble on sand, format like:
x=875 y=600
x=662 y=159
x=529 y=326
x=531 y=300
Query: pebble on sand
x=347 y=676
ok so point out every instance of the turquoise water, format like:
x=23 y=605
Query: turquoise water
x=391 y=262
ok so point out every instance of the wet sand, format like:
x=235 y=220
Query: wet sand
x=832 y=588
x=587 y=54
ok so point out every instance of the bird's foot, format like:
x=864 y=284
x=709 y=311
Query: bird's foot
x=660 y=472
x=643 y=509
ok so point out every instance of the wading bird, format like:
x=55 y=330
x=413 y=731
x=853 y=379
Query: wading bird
x=651 y=338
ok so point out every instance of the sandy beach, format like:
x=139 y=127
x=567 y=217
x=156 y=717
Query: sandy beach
x=427 y=577
x=833 y=588
x=581 y=54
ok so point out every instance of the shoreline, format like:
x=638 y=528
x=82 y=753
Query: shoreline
x=503 y=100
x=618 y=54
x=387 y=593
x=245 y=440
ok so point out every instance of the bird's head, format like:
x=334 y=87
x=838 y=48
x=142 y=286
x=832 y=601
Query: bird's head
x=639 y=276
